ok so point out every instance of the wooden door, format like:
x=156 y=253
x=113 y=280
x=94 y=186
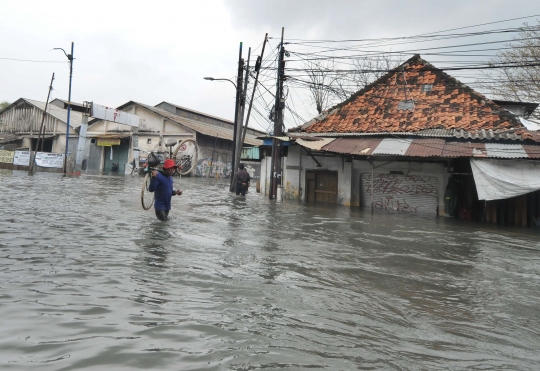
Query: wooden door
x=326 y=187
x=310 y=187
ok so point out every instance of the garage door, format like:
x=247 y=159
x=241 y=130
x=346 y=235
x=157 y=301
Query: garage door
x=404 y=193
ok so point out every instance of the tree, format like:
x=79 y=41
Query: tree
x=520 y=83
x=329 y=86
x=322 y=77
x=3 y=105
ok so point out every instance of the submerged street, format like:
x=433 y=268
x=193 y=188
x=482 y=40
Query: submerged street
x=89 y=280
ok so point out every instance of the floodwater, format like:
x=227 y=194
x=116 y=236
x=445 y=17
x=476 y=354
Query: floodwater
x=88 y=280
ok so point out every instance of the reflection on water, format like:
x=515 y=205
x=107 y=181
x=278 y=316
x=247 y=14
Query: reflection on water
x=90 y=280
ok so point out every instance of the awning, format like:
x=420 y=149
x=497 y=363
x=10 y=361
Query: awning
x=315 y=145
x=424 y=147
x=501 y=179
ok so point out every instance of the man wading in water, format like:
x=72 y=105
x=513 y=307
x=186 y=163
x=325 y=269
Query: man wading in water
x=162 y=186
x=242 y=180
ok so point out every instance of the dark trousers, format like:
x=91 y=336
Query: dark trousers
x=162 y=215
x=240 y=189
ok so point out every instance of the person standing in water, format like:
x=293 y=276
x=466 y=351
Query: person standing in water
x=242 y=180
x=162 y=186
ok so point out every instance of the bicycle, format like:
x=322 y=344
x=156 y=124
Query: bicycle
x=185 y=157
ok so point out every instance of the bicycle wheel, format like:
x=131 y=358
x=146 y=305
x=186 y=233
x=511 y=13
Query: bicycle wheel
x=147 y=197
x=186 y=155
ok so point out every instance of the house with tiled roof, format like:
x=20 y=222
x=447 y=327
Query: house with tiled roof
x=160 y=124
x=418 y=140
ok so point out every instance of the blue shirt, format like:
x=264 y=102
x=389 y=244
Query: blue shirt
x=162 y=186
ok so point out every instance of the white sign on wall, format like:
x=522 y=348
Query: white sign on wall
x=112 y=114
x=21 y=158
x=50 y=159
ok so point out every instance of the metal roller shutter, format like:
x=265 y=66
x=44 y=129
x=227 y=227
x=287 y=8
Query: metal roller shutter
x=406 y=193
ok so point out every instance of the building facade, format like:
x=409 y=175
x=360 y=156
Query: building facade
x=417 y=140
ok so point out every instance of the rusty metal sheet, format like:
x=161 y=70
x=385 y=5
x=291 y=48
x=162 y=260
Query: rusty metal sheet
x=426 y=147
x=532 y=150
x=353 y=146
x=457 y=149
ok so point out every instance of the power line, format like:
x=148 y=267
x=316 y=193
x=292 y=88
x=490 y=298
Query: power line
x=29 y=60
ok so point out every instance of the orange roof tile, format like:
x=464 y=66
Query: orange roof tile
x=450 y=105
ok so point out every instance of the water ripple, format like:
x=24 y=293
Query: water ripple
x=88 y=280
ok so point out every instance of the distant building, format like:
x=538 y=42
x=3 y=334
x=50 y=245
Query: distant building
x=157 y=125
x=109 y=143
x=22 y=120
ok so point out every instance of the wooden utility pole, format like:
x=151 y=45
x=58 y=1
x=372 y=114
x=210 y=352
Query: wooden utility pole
x=236 y=113
x=41 y=130
x=275 y=178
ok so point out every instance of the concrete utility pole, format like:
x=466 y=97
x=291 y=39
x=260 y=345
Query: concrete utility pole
x=275 y=177
x=239 y=140
x=81 y=145
x=237 y=114
x=257 y=69
x=41 y=130
x=70 y=58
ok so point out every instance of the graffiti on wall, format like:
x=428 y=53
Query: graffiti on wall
x=405 y=193
x=392 y=203
x=213 y=169
x=218 y=169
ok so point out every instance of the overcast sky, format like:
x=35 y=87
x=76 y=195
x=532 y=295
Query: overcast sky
x=154 y=51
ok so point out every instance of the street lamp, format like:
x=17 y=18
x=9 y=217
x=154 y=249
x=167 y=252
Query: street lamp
x=238 y=88
x=213 y=79
x=70 y=58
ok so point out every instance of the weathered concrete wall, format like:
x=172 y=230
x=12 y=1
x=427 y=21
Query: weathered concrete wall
x=291 y=174
x=298 y=163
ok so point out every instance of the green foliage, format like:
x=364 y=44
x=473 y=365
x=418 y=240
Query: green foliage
x=4 y=104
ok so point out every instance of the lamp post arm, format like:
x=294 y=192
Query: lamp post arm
x=213 y=79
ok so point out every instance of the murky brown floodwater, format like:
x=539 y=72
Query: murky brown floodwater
x=88 y=280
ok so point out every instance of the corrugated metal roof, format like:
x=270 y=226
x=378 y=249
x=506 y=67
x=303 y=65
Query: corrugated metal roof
x=75 y=118
x=532 y=151
x=428 y=147
x=355 y=146
x=433 y=133
x=203 y=127
x=392 y=146
x=421 y=147
x=457 y=149
x=505 y=150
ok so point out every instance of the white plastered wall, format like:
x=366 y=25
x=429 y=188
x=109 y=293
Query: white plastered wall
x=298 y=162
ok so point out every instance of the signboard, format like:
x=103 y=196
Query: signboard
x=112 y=114
x=22 y=158
x=50 y=159
x=6 y=157
x=108 y=142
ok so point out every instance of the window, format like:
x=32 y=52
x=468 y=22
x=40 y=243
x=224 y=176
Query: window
x=427 y=87
x=149 y=141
